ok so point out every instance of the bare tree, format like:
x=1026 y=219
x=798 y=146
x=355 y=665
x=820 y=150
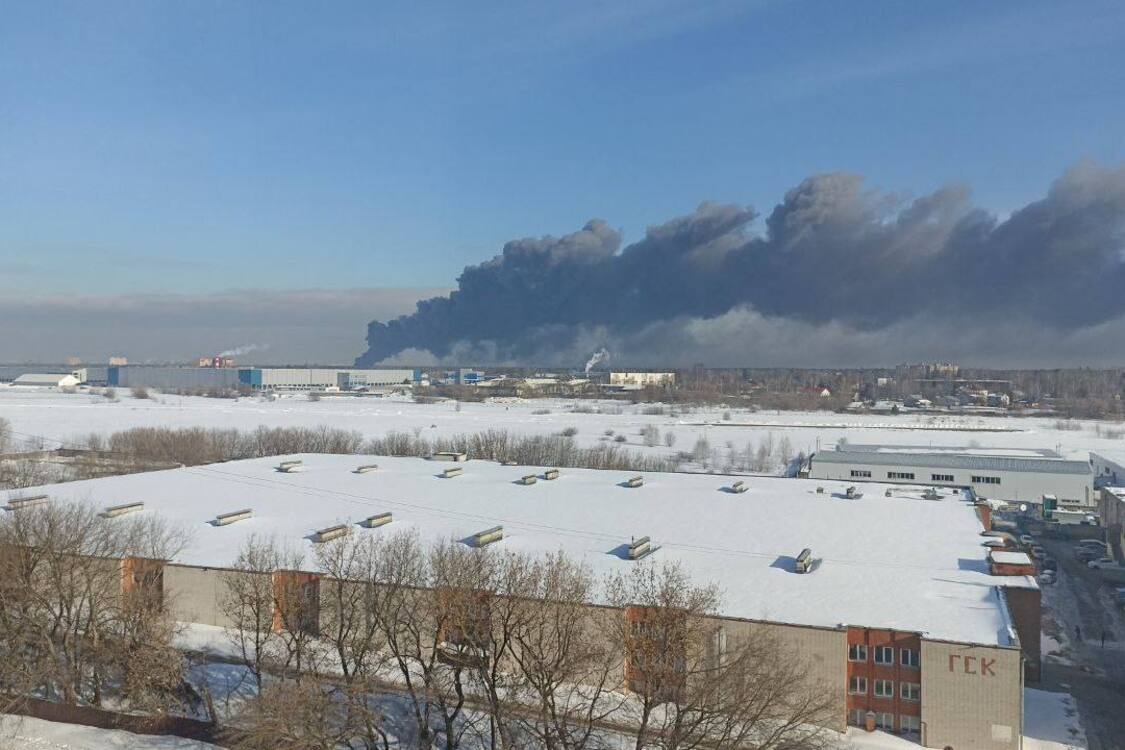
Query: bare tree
x=693 y=684
x=82 y=609
x=247 y=600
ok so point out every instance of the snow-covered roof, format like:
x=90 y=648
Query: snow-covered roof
x=896 y=562
x=1011 y=558
x=945 y=458
x=44 y=379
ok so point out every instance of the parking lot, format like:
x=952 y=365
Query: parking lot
x=1078 y=609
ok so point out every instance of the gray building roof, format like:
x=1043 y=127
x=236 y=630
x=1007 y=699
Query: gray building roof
x=947 y=460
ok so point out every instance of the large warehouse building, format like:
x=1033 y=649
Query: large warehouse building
x=171 y=378
x=903 y=615
x=1010 y=474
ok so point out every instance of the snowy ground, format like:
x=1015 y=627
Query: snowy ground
x=25 y=733
x=62 y=418
x=1051 y=722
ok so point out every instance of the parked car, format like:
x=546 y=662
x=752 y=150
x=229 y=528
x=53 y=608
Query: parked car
x=1026 y=540
x=1086 y=554
x=1101 y=562
x=1047 y=577
x=1049 y=563
x=1038 y=552
x=1092 y=544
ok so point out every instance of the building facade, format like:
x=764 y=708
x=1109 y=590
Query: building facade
x=991 y=473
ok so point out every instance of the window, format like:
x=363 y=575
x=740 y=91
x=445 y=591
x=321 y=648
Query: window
x=857 y=652
x=857 y=717
x=884 y=689
x=886 y=722
x=900 y=475
x=909 y=723
x=986 y=480
x=909 y=658
x=884 y=655
x=857 y=686
x=861 y=474
x=911 y=691
x=941 y=477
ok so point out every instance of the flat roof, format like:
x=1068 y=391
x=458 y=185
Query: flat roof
x=973 y=459
x=1011 y=558
x=897 y=562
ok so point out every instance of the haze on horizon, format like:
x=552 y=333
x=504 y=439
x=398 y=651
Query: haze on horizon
x=750 y=183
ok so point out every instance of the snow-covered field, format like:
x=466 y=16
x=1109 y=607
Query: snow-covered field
x=25 y=733
x=61 y=418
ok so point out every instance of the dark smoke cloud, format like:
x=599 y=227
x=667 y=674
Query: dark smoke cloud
x=838 y=265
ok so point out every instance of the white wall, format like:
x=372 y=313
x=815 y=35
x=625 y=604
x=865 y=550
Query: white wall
x=1014 y=485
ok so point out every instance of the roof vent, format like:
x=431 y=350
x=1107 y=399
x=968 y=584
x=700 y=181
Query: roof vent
x=635 y=482
x=332 y=532
x=804 y=562
x=114 y=511
x=488 y=536
x=528 y=479
x=454 y=456
x=453 y=471
x=888 y=492
x=550 y=474
x=223 y=519
x=289 y=467
x=739 y=486
x=19 y=503
x=366 y=468
x=820 y=490
x=931 y=493
x=852 y=493
x=377 y=520
x=641 y=548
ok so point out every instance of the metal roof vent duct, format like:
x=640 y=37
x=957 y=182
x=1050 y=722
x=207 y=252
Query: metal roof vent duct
x=289 y=467
x=528 y=479
x=377 y=520
x=852 y=493
x=223 y=519
x=19 y=503
x=114 y=511
x=635 y=482
x=366 y=468
x=488 y=536
x=739 y=487
x=804 y=563
x=551 y=474
x=332 y=532
x=641 y=548
x=454 y=471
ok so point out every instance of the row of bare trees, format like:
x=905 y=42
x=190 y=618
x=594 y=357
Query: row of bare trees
x=81 y=612
x=195 y=446
x=421 y=645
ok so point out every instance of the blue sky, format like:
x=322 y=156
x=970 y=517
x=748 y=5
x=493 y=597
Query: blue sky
x=206 y=145
x=163 y=147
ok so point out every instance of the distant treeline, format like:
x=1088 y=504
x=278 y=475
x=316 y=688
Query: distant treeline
x=193 y=446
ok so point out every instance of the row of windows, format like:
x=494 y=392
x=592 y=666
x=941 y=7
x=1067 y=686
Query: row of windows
x=866 y=474
x=986 y=480
x=908 y=691
x=886 y=721
x=884 y=655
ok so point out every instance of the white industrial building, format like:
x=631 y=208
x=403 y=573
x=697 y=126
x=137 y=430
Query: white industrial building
x=47 y=380
x=304 y=379
x=932 y=640
x=1010 y=474
x=630 y=380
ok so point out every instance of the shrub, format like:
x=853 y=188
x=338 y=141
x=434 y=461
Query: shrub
x=139 y=392
x=569 y=432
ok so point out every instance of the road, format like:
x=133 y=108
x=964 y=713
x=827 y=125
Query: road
x=1094 y=674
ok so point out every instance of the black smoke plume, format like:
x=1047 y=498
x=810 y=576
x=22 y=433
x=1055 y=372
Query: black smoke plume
x=836 y=261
